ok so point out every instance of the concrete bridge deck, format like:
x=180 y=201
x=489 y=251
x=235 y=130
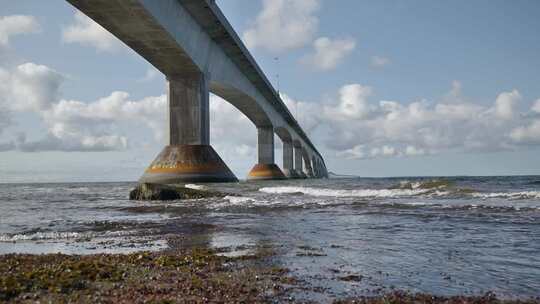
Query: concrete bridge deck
x=194 y=45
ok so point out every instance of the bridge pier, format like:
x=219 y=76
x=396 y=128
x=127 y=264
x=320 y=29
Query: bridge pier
x=309 y=168
x=288 y=160
x=265 y=169
x=298 y=162
x=188 y=157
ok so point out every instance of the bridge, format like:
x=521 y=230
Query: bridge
x=193 y=44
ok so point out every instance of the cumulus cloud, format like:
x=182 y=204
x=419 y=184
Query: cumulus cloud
x=328 y=53
x=529 y=134
x=536 y=106
x=229 y=128
x=353 y=103
x=16 y=25
x=505 y=104
x=379 y=61
x=363 y=152
x=303 y=111
x=103 y=124
x=85 y=143
x=283 y=25
x=86 y=32
x=31 y=87
x=356 y=127
x=72 y=125
x=5 y=116
x=89 y=125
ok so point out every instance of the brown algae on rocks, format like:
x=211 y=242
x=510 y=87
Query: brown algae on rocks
x=155 y=192
x=197 y=275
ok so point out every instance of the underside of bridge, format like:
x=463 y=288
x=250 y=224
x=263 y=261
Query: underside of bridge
x=193 y=44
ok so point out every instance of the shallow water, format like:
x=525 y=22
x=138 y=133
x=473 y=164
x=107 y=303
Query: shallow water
x=459 y=235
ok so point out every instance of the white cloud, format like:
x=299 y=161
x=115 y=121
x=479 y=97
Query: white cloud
x=85 y=143
x=283 y=25
x=244 y=150
x=356 y=152
x=303 y=111
x=413 y=151
x=353 y=103
x=356 y=127
x=71 y=119
x=505 y=103
x=73 y=125
x=86 y=32
x=31 y=87
x=16 y=25
x=379 y=61
x=328 y=54
x=229 y=127
x=536 y=106
x=103 y=124
x=527 y=135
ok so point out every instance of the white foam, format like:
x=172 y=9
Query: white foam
x=239 y=200
x=509 y=195
x=39 y=236
x=195 y=187
x=346 y=193
x=42 y=236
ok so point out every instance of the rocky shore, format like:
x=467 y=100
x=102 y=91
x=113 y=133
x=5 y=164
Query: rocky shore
x=155 y=192
x=192 y=276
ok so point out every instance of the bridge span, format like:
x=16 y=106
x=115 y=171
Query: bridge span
x=193 y=44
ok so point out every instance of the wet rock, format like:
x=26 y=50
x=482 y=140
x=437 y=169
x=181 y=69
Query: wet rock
x=155 y=192
x=351 y=278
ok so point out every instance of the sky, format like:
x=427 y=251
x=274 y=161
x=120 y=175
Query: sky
x=383 y=88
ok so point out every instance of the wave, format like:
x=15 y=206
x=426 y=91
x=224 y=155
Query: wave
x=196 y=187
x=380 y=193
x=43 y=236
x=438 y=191
x=428 y=184
x=509 y=195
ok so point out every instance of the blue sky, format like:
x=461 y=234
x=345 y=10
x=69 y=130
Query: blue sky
x=384 y=88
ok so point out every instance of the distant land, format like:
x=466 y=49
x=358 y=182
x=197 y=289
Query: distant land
x=336 y=175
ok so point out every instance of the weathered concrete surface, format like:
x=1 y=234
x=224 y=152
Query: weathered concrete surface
x=265 y=168
x=189 y=113
x=185 y=39
x=288 y=160
x=187 y=163
x=298 y=162
x=266 y=172
x=188 y=157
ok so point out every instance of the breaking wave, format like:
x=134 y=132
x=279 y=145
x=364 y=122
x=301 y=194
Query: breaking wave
x=347 y=193
x=428 y=184
x=429 y=188
x=43 y=236
x=509 y=195
x=196 y=187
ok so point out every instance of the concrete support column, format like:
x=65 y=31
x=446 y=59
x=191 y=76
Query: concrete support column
x=189 y=156
x=189 y=113
x=288 y=160
x=298 y=163
x=265 y=169
x=265 y=145
x=309 y=168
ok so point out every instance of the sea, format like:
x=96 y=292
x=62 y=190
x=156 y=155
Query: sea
x=340 y=236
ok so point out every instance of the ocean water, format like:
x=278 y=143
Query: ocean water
x=447 y=236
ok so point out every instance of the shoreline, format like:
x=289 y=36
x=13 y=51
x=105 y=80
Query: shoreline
x=197 y=275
